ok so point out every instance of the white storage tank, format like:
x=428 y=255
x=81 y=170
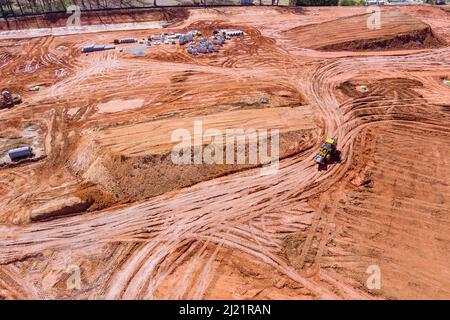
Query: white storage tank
x=89 y=48
x=100 y=47
x=20 y=153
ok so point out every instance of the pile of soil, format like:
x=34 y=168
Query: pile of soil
x=397 y=31
x=415 y=39
x=132 y=178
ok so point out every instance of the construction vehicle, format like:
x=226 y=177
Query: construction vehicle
x=9 y=99
x=328 y=152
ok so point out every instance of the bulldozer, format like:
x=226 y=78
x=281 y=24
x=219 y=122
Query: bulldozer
x=328 y=152
x=9 y=99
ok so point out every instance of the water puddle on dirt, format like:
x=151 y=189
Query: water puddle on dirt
x=120 y=105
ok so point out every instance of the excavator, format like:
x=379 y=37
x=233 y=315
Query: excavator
x=9 y=99
x=328 y=152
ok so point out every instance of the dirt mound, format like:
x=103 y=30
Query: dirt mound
x=60 y=207
x=131 y=178
x=397 y=31
x=417 y=39
x=134 y=162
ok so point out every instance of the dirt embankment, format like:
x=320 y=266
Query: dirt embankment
x=395 y=30
x=55 y=20
x=417 y=39
x=132 y=166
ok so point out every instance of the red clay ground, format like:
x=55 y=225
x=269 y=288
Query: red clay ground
x=105 y=197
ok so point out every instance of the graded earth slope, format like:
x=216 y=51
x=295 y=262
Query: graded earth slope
x=387 y=31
